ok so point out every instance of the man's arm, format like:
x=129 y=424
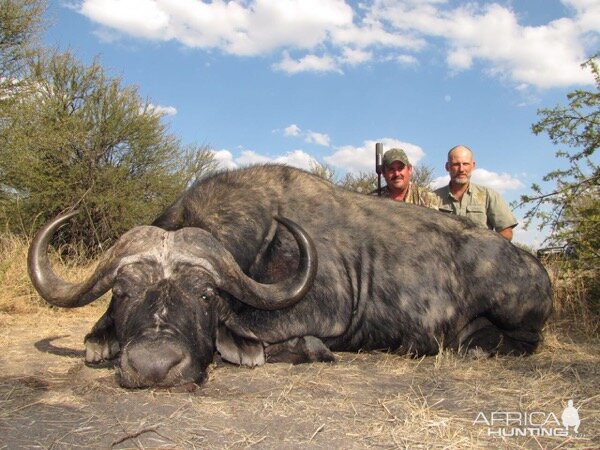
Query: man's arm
x=500 y=217
x=507 y=233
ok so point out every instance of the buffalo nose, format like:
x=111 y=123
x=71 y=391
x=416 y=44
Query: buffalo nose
x=153 y=365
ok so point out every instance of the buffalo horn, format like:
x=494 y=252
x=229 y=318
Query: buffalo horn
x=284 y=293
x=50 y=286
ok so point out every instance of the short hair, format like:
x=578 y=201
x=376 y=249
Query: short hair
x=458 y=146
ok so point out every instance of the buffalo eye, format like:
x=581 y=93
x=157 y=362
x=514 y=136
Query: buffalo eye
x=119 y=292
x=208 y=294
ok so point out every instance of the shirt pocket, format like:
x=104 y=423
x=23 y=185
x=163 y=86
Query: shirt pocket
x=476 y=209
x=477 y=214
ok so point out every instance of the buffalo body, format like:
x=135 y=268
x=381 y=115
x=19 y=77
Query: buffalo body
x=338 y=271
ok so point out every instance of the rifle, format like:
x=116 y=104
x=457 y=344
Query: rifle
x=379 y=165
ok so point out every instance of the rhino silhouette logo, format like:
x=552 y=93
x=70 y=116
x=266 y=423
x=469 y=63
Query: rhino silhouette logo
x=570 y=417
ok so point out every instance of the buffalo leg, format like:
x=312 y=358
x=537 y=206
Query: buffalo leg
x=299 y=350
x=239 y=350
x=101 y=343
x=483 y=335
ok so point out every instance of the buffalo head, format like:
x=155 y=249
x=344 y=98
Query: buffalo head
x=168 y=288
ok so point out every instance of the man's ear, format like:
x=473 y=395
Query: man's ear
x=447 y=166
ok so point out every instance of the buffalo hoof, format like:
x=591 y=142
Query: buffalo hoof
x=98 y=350
x=299 y=350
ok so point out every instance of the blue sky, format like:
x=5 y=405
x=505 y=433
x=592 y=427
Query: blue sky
x=299 y=80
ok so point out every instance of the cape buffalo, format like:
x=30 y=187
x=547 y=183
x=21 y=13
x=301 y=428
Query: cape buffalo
x=270 y=263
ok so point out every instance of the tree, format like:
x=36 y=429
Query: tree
x=362 y=182
x=322 y=170
x=77 y=138
x=20 y=26
x=422 y=176
x=571 y=210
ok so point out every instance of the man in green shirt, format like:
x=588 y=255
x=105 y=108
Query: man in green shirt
x=482 y=205
x=397 y=171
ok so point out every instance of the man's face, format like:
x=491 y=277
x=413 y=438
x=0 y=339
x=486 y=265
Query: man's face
x=460 y=165
x=397 y=176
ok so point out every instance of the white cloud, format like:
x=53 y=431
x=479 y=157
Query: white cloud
x=407 y=60
x=439 y=182
x=588 y=13
x=141 y=18
x=327 y=35
x=544 y=56
x=500 y=182
x=163 y=110
x=354 y=56
x=353 y=159
x=225 y=159
x=249 y=157
x=308 y=63
x=459 y=59
x=295 y=158
x=240 y=28
x=313 y=137
x=292 y=130
x=362 y=159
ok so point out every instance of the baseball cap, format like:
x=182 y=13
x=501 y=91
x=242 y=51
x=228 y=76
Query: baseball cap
x=395 y=154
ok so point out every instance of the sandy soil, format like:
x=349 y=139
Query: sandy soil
x=50 y=399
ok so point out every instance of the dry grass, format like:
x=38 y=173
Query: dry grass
x=571 y=302
x=50 y=399
x=18 y=295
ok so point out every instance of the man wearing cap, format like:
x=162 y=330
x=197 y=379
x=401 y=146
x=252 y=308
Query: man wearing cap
x=482 y=205
x=397 y=172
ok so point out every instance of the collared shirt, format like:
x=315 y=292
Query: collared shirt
x=415 y=195
x=482 y=205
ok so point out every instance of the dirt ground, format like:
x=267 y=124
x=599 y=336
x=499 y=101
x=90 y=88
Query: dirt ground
x=50 y=399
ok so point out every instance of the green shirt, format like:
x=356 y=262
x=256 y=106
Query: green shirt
x=415 y=195
x=482 y=205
